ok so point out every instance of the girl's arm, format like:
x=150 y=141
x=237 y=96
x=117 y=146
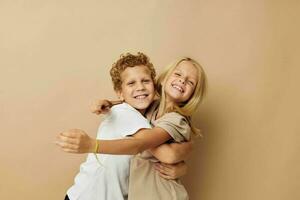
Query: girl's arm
x=77 y=141
x=103 y=106
x=167 y=153
x=173 y=152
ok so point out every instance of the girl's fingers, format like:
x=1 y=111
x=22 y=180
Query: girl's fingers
x=100 y=105
x=73 y=133
x=104 y=106
x=67 y=139
x=97 y=112
x=65 y=145
x=69 y=150
x=68 y=134
x=116 y=102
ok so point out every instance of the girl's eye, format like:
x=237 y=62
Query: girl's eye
x=191 y=83
x=177 y=74
x=130 y=83
x=146 y=81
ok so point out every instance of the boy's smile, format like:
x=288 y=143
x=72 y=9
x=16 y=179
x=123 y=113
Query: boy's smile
x=137 y=87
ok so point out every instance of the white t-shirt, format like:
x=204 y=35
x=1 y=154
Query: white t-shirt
x=108 y=180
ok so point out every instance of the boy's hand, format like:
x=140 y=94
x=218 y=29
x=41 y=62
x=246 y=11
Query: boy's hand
x=173 y=152
x=100 y=106
x=75 y=141
x=171 y=171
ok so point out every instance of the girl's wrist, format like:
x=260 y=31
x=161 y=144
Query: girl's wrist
x=97 y=145
x=93 y=146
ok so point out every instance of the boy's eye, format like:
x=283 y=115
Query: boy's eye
x=177 y=74
x=130 y=83
x=146 y=81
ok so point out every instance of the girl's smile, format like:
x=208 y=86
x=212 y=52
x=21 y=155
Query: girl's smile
x=181 y=83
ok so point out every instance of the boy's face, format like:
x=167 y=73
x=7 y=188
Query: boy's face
x=137 y=87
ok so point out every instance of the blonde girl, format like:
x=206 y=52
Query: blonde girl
x=182 y=87
x=188 y=105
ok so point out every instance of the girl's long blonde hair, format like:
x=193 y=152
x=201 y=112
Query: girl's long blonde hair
x=189 y=107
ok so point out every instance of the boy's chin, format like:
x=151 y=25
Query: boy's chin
x=141 y=105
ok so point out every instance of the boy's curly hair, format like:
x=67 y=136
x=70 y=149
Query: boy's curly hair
x=129 y=60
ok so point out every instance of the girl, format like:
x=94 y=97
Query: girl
x=182 y=87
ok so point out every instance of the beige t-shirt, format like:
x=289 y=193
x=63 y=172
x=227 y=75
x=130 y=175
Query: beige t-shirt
x=144 y=181
x=174 y=123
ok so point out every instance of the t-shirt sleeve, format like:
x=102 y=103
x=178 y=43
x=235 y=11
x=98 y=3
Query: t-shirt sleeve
x=127 y=121
x=176 y=125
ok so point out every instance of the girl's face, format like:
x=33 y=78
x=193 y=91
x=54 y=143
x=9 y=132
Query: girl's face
x=181 y=83
x=137 y=87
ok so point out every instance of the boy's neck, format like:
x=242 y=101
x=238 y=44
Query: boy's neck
x=142 y=111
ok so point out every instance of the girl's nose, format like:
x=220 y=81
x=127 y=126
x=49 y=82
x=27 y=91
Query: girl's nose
x=182 y=80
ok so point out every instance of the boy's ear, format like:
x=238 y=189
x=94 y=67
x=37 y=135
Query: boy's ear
x=120 y=95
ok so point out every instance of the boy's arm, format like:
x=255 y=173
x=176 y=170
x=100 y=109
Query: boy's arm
x=77 y=141
x=171 y=171
x=173 y=152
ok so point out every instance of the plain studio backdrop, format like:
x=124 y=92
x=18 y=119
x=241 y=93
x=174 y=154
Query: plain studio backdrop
x=55 y=58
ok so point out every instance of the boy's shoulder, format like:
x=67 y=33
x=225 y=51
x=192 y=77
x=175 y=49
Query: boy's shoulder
x=123 y=107
x=124 y=110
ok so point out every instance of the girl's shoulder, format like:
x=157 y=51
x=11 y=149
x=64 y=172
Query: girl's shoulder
x=175 y=118
x=177 y=125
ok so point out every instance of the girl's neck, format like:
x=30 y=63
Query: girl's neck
x=169 y=105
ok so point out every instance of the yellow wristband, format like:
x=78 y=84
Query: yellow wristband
x=96 y=151
x=96 y=146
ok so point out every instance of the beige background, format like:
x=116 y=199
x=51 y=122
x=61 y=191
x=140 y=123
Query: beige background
x=55 y=57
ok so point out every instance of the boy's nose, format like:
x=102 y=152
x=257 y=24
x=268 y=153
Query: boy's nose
x=140 y=86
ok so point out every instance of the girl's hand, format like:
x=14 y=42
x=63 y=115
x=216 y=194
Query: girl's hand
x=100 y=106
x=75 y=141
x=171 y=171
x=103 y=106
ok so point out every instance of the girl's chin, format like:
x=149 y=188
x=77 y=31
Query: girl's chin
x=174 y=98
